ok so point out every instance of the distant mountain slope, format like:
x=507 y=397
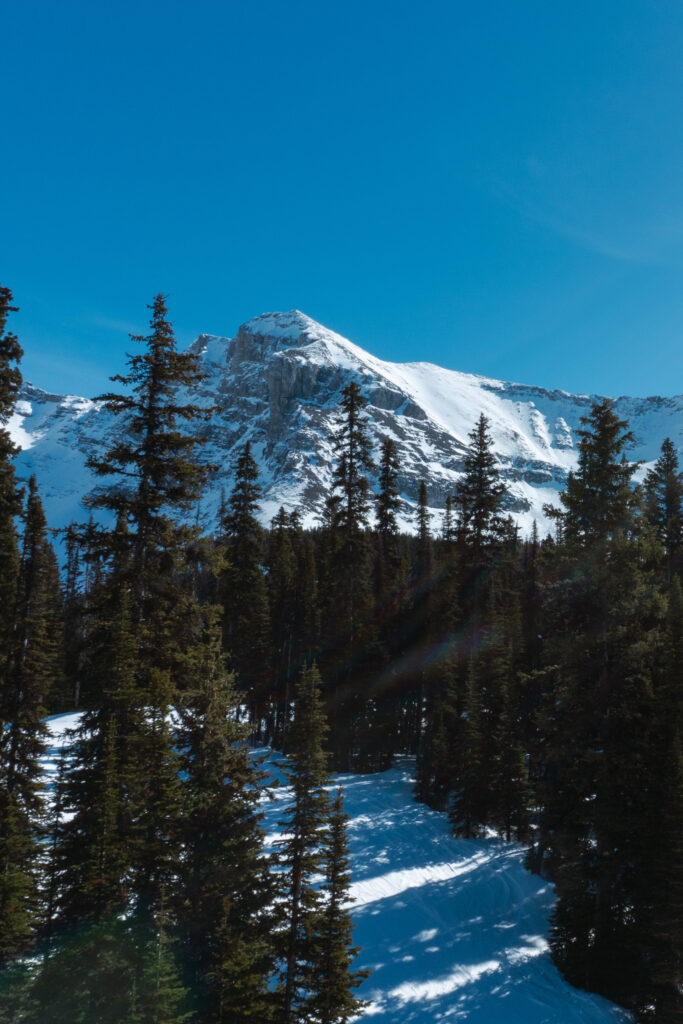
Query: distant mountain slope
x=278 y=382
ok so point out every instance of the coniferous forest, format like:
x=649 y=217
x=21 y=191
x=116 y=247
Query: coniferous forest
x=537 y=682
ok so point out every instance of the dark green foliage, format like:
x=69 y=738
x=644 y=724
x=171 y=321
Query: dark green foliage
x=467 y=782
x=302 y=853
x=353 y=453
x=664 y=504
x=388 y=500
x=448 y=532
x=597 y=719
x=32 y=667
x=158 y=995
x=242 y=587
x=75 y=615
x=118 y=855
x=332 y=1000
x=598 y=501
x=425 y=552
x=509 y=781
x=294 y=613
x=224 y=920
x=661 y=925
x=162 y=477
x=479 y=494
x=350 y=640
x=10 y=502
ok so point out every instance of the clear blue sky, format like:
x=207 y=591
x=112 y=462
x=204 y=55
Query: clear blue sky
x=493 y=186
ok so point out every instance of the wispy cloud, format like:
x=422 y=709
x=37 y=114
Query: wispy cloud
x=567 y=225
x=120 y=326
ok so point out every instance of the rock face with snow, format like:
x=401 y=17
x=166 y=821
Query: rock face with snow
x=278 y=384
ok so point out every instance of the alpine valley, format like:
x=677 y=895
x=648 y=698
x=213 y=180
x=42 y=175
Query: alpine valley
x=278 y=383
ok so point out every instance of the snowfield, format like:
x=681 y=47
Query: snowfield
x=452 y=929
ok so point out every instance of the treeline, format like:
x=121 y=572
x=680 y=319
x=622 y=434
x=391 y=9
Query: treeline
x=141 y=891
x=537 y=681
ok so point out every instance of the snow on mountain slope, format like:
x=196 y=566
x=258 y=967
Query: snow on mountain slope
x=451 y=929
x=278 y=383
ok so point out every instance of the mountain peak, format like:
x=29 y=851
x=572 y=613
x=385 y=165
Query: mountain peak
x=294 y=329
x=291 y=324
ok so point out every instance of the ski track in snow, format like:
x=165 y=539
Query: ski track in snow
x=452 y=929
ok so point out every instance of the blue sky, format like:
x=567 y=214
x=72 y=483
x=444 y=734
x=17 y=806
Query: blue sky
x=496 y=187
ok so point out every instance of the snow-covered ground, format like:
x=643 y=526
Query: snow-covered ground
x=452 y=929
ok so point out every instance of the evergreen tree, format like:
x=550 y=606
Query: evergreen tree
x=479 y=494
x=242 y=587
x=10 y=503
x=223 y=914
x=92 y=938
x=32 y=667
x=425 y=552
x=158 y=996
x=467 y=810
x=449 y=531
x=509 y=782
x=389 y=586
x=346 y=588
x=353 y=459
x=388 y=500
x=74 y=620
x=294 y=613
x=163 y=476
x=302 y=853
x=332 y=1000
x=661 y=917
x=664 y=504
x=597 y=717
x=120 y=850
x=598 y=501
x=349 y=506
x=282 y=594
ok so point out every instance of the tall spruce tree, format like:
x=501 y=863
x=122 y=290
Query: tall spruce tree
x=294 y=612
x=302 y=852
x=479 y=494
x=333 y=1001
x=664 y=505
x=282 y=600
x=661 y=888
x=348 y=510
x=10 y=501
x=597 y=717
x=242 y=587
x=223 y=911
x=121 y=848
x=157 y=477
x=346 y=585
x=388 y=501
x=32 y=668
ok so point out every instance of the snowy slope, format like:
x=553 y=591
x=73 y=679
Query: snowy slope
x=278 y=382
x=451 y=929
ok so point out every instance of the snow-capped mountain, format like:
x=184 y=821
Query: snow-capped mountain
x=278 y=382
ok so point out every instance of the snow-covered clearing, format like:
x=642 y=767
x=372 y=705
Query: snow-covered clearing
x=452 y=929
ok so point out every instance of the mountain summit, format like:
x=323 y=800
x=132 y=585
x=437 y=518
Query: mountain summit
x=278 y=383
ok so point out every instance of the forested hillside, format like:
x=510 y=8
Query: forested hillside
x=536 y=680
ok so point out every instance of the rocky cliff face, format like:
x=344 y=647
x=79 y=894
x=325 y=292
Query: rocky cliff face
x=278 y=382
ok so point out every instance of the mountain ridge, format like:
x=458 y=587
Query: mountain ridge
x=277 y=383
